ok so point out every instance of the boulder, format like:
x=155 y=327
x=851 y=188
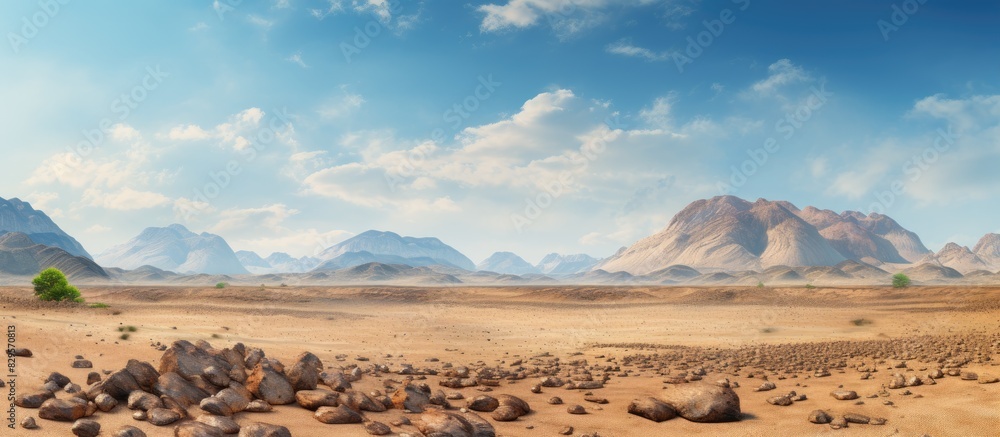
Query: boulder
x=174 y=385
x=128 y=431
x=188 y=360
x=269 y=384
x=410 y=398
x=704 y=402
x=197 y=429
x=62 y=410
x=336 y=380
x=226 y=424
x=446 y=423
x=844 y=395
x=33 y=399
x=86 y=428
x=105 y=402
x=313 y=399
x=484 y=404
x=652 y=409
x=140 y=400
x=162 y=416
x=304 y=373
x=258 y=429
x=337 y=415
x=215 y=406
x=119 y=385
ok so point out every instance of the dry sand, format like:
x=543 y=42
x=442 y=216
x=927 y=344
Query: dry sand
x=502 y=324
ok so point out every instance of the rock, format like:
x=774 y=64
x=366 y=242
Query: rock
x=128 y=431
x=58 y=378
x=576 y=409
x=551 y=381
x=197 y=429
x=988 y=379
x=410 y=398
x=596 y=399
x=878 y=421
x=33 y=400
x=216 y=376
x=555 y=400
x=22 y=352
x=652 y=409
x=313 y=399
x=844 y=395
x=838 y=423
x=258 y=429
x=567 y=430
x=139 y=415
x=162 y=416
x=140 y=400
x=234 y=399
x=445 y=423
x=28 y=423
x=767 y=386
x=969 y=376
x=174 y=385
x=258 y=406
x=268 y=384
x=62 y=410
x=337 y=415
x=336 y=380
x=82 y=364
x=703 y=402
x=188 y=360
x=515 y=402
x=506 y=413
x=93 y=377
x=377 y=428
x=71 y=388
x=215 y=406
x=119 y=385
x=358 y=401
x=781 y=401
x=304 y=373
x=484 y=404
x=857 y=418
x=86 y=428
x=226 y=424
x=105 y=402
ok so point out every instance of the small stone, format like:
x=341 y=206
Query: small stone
x=819 y=417
x=576 y=409
x=28 y=423
x=555 y=400
x=258 y=429
x=337 y=415
x=162 y=416
x=838 y=423
x=567 y=430
x=377 y=428
x=82 y=364
x=844 y=395
x=129 y=431
x=86 y=428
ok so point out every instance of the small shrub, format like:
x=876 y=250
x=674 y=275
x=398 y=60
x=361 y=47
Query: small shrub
x=99 y=305
x=124 y=336
x=767 y=330
x=810 y=286
x=216 y=336
x=760 y=285
x=221 y=285
x=900 y=280
x=116 y=312
x=129 y=328
x=51 y=284
x=861 y=322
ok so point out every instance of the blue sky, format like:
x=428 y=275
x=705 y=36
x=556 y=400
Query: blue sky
x=532 y=126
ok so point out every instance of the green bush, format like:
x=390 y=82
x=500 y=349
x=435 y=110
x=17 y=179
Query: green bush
x=810 y=286
x=100 y=305
x=221 y=285
x=760 y=285
x=51 y=284
x=900 y=280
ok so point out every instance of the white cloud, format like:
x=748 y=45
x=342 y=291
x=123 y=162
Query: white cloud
x=781 y=73
x=282 y=4
x=198 y=27
x=659 y=114
x=125 y=199
x=296 y=59
x=625 y=48
x=242 y=130
x=260 y=22
x=41 y=200
x=188 y=133
x=381 y=8
x=567 y=17
x=269 y=217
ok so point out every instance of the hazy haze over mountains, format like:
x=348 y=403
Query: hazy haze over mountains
x=507 y=263
x=389 y=243
x=21 y=256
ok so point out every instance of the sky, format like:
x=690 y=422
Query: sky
x=531 y=126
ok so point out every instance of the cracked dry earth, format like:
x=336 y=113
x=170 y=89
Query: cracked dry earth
x=510 y=361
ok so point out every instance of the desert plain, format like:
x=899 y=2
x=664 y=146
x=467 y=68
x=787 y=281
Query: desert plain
x=640 y=341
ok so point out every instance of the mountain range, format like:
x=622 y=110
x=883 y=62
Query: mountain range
x=175 y=248
x=722 y=240
x=19 y=216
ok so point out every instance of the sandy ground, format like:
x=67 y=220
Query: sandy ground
x=503 y=324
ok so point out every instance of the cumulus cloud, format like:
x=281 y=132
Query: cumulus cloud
x=567 y=17
x=125 y=199
x=242 y=130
